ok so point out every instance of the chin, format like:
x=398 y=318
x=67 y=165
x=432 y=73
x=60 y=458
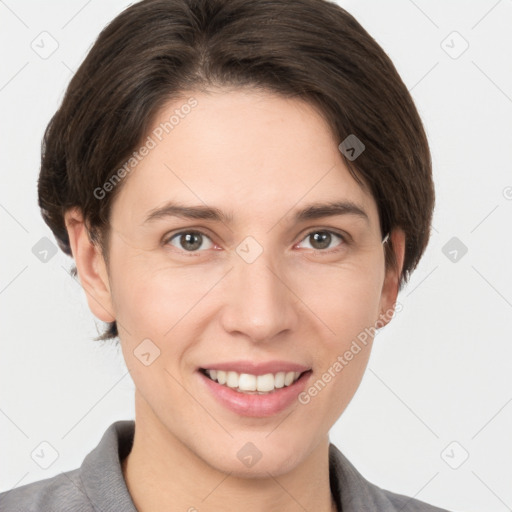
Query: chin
x=250 y=462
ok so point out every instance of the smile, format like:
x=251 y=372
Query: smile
x=252 y=384
x=264 y=398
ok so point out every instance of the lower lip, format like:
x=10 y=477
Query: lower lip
x=260 y=406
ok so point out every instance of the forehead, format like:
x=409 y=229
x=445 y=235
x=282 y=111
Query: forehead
x=248 y=153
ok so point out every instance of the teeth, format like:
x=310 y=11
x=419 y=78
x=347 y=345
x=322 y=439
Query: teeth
x=247 y=383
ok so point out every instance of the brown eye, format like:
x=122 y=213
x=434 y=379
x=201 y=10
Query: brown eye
x=321 y=240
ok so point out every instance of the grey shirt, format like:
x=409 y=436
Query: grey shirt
x=99 y=486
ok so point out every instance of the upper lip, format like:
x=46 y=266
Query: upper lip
x=254 y=368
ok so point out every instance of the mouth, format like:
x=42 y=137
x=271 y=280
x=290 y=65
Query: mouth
x=257 y=396
x=253 y=384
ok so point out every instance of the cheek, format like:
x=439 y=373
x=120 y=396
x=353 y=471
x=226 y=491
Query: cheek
x=150 y=298
x=151 y=310
x=141 y=304
x=348 y=306
x=345 y=299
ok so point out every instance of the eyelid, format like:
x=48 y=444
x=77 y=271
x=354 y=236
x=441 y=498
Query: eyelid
x=173 y=234
x=319 y=229
x=345 y=237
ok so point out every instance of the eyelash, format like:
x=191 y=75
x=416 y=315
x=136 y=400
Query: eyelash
x=343 y=238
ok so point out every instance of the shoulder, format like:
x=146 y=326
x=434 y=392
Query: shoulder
x=354 y=493
x=97 y=485
x=400 y=502
x=61 y=492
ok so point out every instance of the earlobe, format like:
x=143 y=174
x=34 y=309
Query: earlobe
x=91 y=267
x=390 y=286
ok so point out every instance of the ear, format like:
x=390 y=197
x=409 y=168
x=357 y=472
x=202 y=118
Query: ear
x=91 y=266
x=391 y=281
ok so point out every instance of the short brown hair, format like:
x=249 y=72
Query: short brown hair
x=309 y=49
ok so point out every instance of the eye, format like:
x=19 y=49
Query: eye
x=193 y=240
x=189 y=241
x=322 y=239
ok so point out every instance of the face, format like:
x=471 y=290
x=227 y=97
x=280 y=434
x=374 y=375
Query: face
x=256 y=281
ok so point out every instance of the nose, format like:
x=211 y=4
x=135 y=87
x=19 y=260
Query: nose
x=259 y=302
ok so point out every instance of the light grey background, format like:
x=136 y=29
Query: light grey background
x=438 y=387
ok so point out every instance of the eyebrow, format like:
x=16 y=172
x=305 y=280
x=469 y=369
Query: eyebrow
x=311 y=211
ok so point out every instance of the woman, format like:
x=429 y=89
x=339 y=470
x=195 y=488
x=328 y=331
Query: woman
x=244 y=187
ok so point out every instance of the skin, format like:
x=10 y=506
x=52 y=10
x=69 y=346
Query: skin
x=259 y=157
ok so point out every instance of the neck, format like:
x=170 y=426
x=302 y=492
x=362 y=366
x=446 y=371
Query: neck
x=162 y=473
